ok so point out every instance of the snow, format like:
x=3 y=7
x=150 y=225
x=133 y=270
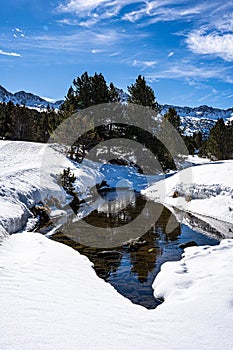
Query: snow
x=191 y=125
x=204 y=112
x=205 y=190
x=28 y=99
x=50 y=296
x=28 y=176
x=126 y=177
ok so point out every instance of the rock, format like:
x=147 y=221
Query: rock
x=175 y=194
x=188 y=244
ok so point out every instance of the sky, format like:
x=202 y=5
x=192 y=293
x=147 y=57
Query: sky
x=183 y=48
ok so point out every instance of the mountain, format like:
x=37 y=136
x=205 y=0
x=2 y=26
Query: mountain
x=201 y=112
x=123 y=96
x=28 y=99
x=201 y=118
x=193 y=119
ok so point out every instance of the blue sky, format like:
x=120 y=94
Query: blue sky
x=183 y=48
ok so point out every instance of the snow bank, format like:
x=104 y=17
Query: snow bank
x=29 y=174
x=50 y=298
x=126 y=177
x=204 y=190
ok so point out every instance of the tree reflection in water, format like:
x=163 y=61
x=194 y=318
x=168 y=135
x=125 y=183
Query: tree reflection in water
x=132 y=266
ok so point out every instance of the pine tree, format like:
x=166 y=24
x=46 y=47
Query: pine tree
x=83 y=91
x=173 y=117
x=67 y=181
x=99 y=89
x=113 y=93
x=70 y=104
x=219 y=145
x=142 y=94
x=5 y=121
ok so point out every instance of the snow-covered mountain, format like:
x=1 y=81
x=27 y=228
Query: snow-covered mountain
x=191 y=125
x=27 y=99
x=122 y=95
x=201 y=112
x=201 y=118
x=193 y=119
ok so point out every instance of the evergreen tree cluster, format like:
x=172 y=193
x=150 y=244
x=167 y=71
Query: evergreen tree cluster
x=93 y=90
x=219 y=145
x=21 y=123
x=88 y=91
x=142 y=94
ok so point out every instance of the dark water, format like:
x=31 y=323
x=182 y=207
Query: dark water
x=131 y=268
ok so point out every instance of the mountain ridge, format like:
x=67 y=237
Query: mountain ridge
x=34 y=101
x=28 y=99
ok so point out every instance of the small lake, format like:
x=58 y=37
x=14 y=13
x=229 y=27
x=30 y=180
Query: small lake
x=132 y=267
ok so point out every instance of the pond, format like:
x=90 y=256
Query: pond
x=130 y=266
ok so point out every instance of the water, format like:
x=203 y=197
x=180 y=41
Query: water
x=131 y=268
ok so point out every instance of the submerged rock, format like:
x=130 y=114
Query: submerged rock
x=188 y=244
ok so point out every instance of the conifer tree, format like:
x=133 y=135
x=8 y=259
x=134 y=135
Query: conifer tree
x=142 y=94
x=99 y=89
x=113 y=93
x=173 y=117
x=219 y=145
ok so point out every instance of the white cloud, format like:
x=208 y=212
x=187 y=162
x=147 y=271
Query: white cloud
x=95 y=51
x=170 y=54
x=81 y=6
x=82 y=41
x=187 y=72
x=89 y=12
x=157 y=10
x=203 y=98
x=144 y=64
x=217 y=44
x=14 y=54
x=114 y=54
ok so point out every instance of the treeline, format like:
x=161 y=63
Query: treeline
x=219 y=144
x=88 y=91
x=22 y=123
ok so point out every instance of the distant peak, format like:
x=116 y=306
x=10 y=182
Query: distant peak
x=28 y=99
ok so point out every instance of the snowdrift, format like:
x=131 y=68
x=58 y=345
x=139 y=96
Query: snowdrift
x=28 y=176
x=204 y=190
x=50 y=298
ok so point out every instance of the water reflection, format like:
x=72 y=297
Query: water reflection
x=132 y=266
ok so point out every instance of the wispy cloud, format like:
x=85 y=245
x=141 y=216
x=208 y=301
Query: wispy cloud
x=164 y=11
x=89 y=12
x=220 y=45
x=144 y=64
x=14 y=54
x=203 y=98
x=170 y=54
x=75 y=41
x=187 y=72
x=92 y=11
x=96 y=51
